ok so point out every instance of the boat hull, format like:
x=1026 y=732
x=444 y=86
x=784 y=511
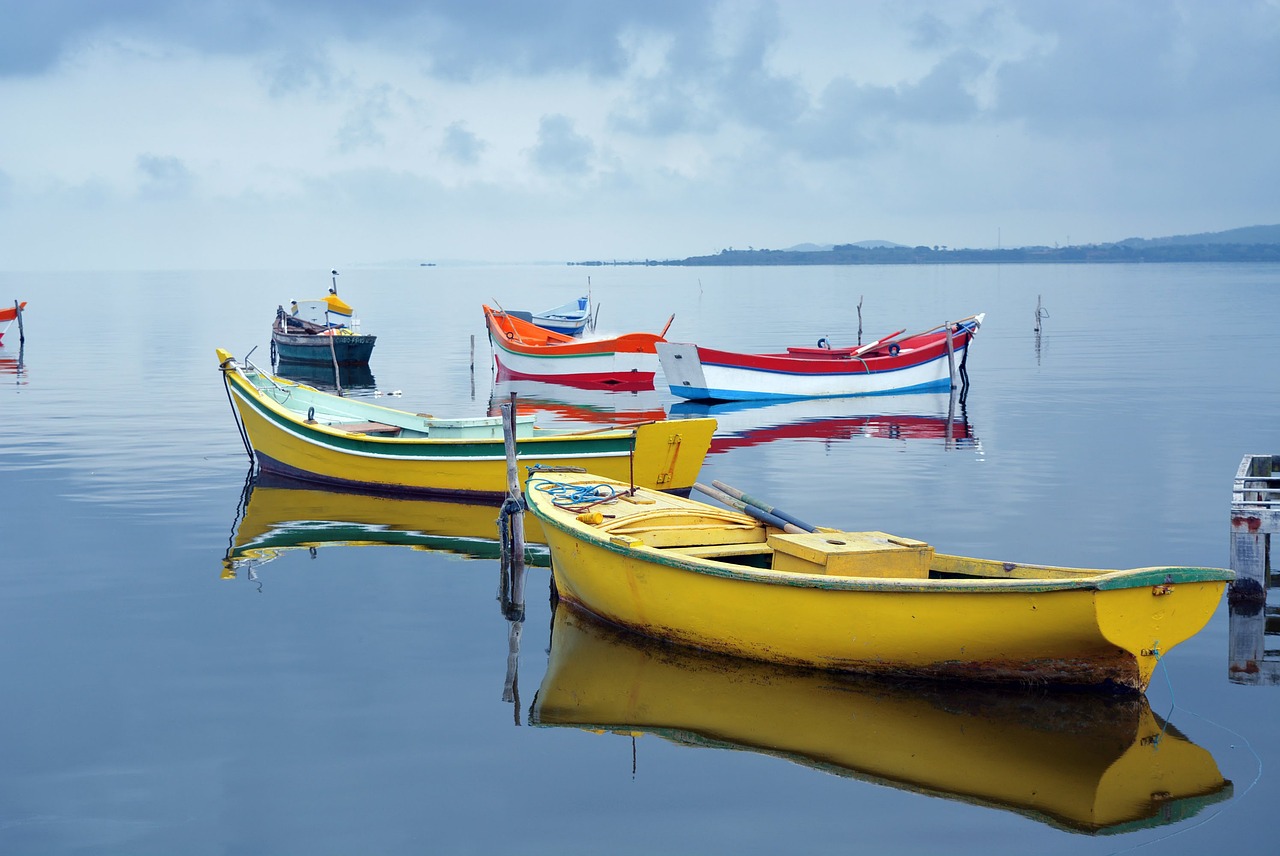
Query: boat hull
x=699 y=373
x=323 y=349
x=665 y=455
x=524 y=351
x=604 y=369
x=569 y=320
x=1107 y=629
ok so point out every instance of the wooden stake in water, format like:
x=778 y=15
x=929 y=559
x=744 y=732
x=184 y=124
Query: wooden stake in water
x=514 y=503
x=951 y=357
x=337 y=377
x=22 y=335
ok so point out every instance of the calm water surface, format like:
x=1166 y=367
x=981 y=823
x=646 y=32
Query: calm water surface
x=167 y=691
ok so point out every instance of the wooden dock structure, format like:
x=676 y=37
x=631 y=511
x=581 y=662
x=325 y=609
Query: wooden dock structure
x=1255 y=517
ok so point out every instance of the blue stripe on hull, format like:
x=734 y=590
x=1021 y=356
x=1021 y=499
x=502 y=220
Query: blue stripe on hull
x=748 y=395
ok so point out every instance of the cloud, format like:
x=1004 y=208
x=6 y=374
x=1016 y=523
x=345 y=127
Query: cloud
x=699 y=123
x=1123 y=62
x=560 y=149
x=460 y=145
x=296 y=71
x=455 y=39
x=361 y=127
x=163 y=177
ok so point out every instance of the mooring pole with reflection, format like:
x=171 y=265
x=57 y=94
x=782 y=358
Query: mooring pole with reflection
x=512 y=520
x=1255 y=517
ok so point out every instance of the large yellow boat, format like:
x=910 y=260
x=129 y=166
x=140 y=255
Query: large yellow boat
x=298 y=431
x=1078 y=761
x=682 y=570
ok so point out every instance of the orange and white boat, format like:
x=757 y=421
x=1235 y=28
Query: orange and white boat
x=8 y=316
x=524 y=351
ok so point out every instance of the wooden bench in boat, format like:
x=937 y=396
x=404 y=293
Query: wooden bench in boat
x=719 y=551
x=379 y=428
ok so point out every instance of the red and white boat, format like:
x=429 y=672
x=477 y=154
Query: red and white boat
x=524 y=351
x=7 y=317
x=916 y=363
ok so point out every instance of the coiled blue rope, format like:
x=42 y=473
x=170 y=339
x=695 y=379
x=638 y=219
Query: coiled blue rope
x=573 y=497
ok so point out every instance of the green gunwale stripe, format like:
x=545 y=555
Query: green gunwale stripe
x=603 y=445
x=1104 y=581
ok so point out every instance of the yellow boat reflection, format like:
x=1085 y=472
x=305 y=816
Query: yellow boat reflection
x=1083 y=762
x=281 y=514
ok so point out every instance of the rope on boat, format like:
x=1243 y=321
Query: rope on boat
x=244 y=437
x=574 y=497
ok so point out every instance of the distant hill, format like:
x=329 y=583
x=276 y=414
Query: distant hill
x=826 y=248
x=809 y=248
x=1243 y=235
x=1246 y=244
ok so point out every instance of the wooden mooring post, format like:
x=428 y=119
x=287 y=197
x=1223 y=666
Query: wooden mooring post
x=1255 y=517
x=512 y=522
x=22 y=334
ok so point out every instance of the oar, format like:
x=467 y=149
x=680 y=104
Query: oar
x=943 y=326
x=758 y=513
x=751 y=500
x=668 y=327
x=878 y=342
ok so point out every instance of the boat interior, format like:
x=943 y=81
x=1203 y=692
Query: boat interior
x=687 y=528
x=358 y=417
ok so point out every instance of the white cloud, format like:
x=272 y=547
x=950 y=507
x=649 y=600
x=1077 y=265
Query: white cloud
x=580 y=129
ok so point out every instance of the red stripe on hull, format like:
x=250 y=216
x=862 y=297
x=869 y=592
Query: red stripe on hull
x=584 y=380
x=915 y=352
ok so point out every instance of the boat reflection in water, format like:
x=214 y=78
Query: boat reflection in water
x=915 y=416
x=353 y=377
x=563 y=406
x=278 y=514
x=1080 y=761
x=12 y=364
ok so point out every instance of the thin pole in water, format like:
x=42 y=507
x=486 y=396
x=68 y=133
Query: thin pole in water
x=951 y=357
x=514 y=505
x=337 y=375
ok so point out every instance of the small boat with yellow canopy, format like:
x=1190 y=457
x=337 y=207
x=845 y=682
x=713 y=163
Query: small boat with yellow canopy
x=324 y=331
x=750 y=583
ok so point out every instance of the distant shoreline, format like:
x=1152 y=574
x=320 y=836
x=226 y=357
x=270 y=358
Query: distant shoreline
x=853 y=255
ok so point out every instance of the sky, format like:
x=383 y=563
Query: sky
x=263 y=134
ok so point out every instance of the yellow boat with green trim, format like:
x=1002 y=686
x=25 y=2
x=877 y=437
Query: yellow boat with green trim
x=295 y=430
x=678 y=569
x=1077 y=761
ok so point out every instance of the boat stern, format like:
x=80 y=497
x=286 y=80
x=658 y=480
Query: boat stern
x=1155 y=609
x=683 y=369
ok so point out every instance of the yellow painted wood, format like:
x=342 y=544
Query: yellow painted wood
x=850 y=554
x=667 y=454
x=1111 y=626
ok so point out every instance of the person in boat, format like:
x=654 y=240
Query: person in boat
x=293 y=308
